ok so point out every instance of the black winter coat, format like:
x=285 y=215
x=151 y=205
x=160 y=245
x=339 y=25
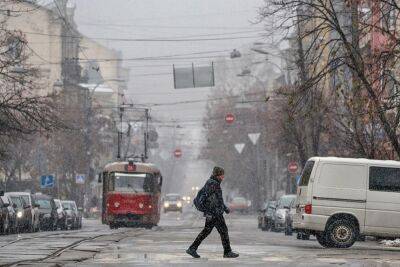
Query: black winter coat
x=214 y=203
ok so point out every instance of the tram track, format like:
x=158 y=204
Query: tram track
x=42 y=235
x=118 y=236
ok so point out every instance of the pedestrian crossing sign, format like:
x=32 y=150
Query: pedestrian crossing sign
x=80 y=179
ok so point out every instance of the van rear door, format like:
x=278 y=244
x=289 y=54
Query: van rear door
x=305 y=185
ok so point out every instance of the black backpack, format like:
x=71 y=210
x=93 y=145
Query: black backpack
x=200 y=200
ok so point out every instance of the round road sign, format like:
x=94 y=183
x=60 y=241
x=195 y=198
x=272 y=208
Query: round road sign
x=178 y=153
x=293 y=167
x=229 y=118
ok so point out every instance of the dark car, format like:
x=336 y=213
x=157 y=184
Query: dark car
x=173 y=202
x=4 y=218
x=12 y=214
x=31 y=210
x=23 y=218
x=61 y=215
x=266 y=215
x=74 y=215
x=47 y=212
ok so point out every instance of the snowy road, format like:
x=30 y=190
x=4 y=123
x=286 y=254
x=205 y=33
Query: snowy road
x=165 y=245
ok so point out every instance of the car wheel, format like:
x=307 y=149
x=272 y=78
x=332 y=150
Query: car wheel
x=322 y=240
x=342 y=233
x=113 y=225
x=288 y=231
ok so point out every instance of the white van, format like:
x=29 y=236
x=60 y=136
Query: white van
x=340 y=199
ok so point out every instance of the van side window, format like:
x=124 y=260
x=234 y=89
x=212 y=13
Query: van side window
x=384 y=179
x=305 y=176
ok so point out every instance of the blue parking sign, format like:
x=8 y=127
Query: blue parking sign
x=46 y=181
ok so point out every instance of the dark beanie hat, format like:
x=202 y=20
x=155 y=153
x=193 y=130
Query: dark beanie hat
x=217 y=171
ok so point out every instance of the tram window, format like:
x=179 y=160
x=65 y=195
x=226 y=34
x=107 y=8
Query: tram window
x=136 y=183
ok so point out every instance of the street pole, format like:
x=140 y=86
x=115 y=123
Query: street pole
x=146 y=135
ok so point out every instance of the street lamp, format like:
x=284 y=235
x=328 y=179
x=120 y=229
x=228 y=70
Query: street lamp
x=247 y=73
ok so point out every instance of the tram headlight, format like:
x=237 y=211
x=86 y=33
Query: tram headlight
x=116 y=204
x=19 y=214
x=166 y=205
x=179 y=204
x=141 y=205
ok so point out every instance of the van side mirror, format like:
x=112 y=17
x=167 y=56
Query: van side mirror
x=100 y=178
x=6 y=205
x=14 y=206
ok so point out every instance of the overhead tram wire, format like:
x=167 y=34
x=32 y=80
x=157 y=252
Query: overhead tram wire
x=165 y=26
x=148 y=39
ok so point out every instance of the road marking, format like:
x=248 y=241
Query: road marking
x=277 y=259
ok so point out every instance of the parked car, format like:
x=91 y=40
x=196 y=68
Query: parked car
x=74 y=216
x=172 y=202
x=239 y=204
x=12 y=214
x=341 y=199
x=290 y=213
x=266 y=215
x=4 y=218
x=279 y=216
x=23 y=216
x=47 y=212
x=61 y=215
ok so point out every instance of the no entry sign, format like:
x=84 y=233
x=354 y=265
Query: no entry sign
x=229 y=118
x=178 y=153
x=293 y=167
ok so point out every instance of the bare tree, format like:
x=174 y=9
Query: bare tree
x=353 y=37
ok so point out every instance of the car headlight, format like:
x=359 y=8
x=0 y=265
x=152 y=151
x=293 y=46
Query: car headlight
x=166 y=205
x=19 y=214
x=141 y=205
x=116 y=204
x=179 y=204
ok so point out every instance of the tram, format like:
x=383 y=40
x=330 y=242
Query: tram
x=131 y=194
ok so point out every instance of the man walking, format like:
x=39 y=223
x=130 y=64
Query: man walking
x=214 y=209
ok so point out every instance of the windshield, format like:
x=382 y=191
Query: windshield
x=68 y=205
x=26 y=199
x=172 y=197
x=286 y=201
x=133 y=182
x=44 y=203
x=17 y=201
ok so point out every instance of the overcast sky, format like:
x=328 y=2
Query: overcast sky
x=151 y=81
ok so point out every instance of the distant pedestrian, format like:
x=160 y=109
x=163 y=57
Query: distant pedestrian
x=209 y=200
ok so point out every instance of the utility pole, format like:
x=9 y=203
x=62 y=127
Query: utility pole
x=146 y=135
x=119 y=139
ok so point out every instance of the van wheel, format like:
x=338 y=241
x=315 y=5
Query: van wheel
x=341 y=234
x=322 y=240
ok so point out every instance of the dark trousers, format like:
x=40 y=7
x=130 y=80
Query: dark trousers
x=219 y=223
